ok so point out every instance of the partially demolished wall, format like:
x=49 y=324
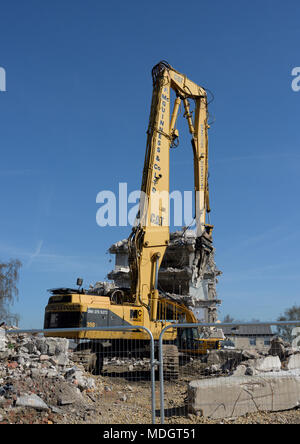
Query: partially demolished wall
x=177 y=275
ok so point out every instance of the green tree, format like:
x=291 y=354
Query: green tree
x=9 y=276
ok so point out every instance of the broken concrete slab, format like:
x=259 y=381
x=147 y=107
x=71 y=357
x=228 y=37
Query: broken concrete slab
x=32 y=401
x=240 y=370
x=293 y=362
x=268 y=364
x=234 y=396
x=52 y=346
x=69 y=395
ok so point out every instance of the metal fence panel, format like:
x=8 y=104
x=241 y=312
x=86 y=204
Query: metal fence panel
x=256 y=369
x=114 y=382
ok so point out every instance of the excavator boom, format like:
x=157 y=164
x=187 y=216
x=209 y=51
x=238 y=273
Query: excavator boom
x=150 y=235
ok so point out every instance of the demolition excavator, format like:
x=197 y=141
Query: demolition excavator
x=143 y=304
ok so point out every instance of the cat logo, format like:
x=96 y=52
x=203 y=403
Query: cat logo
x=136 y=315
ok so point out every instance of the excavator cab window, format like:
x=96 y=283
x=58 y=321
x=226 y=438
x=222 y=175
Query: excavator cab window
x=188 y=338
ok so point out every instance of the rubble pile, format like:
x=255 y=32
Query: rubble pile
x=280 y=357
x=178 y=276
x=39 y=383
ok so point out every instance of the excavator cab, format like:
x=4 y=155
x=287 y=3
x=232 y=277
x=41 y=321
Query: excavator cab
x=191 y=341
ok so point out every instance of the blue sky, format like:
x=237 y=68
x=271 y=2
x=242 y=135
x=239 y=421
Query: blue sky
x=73 y=123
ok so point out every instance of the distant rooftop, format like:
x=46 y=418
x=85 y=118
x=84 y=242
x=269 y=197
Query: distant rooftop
x=248 y=330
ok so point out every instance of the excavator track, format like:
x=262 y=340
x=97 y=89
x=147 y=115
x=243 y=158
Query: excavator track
x=92 y=362
x=86 y=358
x=170 y=361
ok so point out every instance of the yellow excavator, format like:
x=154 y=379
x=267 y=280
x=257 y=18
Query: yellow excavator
x=143 y=304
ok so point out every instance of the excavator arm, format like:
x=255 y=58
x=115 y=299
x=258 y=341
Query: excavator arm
x=150 y=235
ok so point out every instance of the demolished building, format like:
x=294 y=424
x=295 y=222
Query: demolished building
x=178 y=276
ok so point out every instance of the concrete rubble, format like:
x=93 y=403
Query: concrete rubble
x=255 y=381
x=39 y=382
x=179 y=276
x=131 y=364
x=37 y=374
